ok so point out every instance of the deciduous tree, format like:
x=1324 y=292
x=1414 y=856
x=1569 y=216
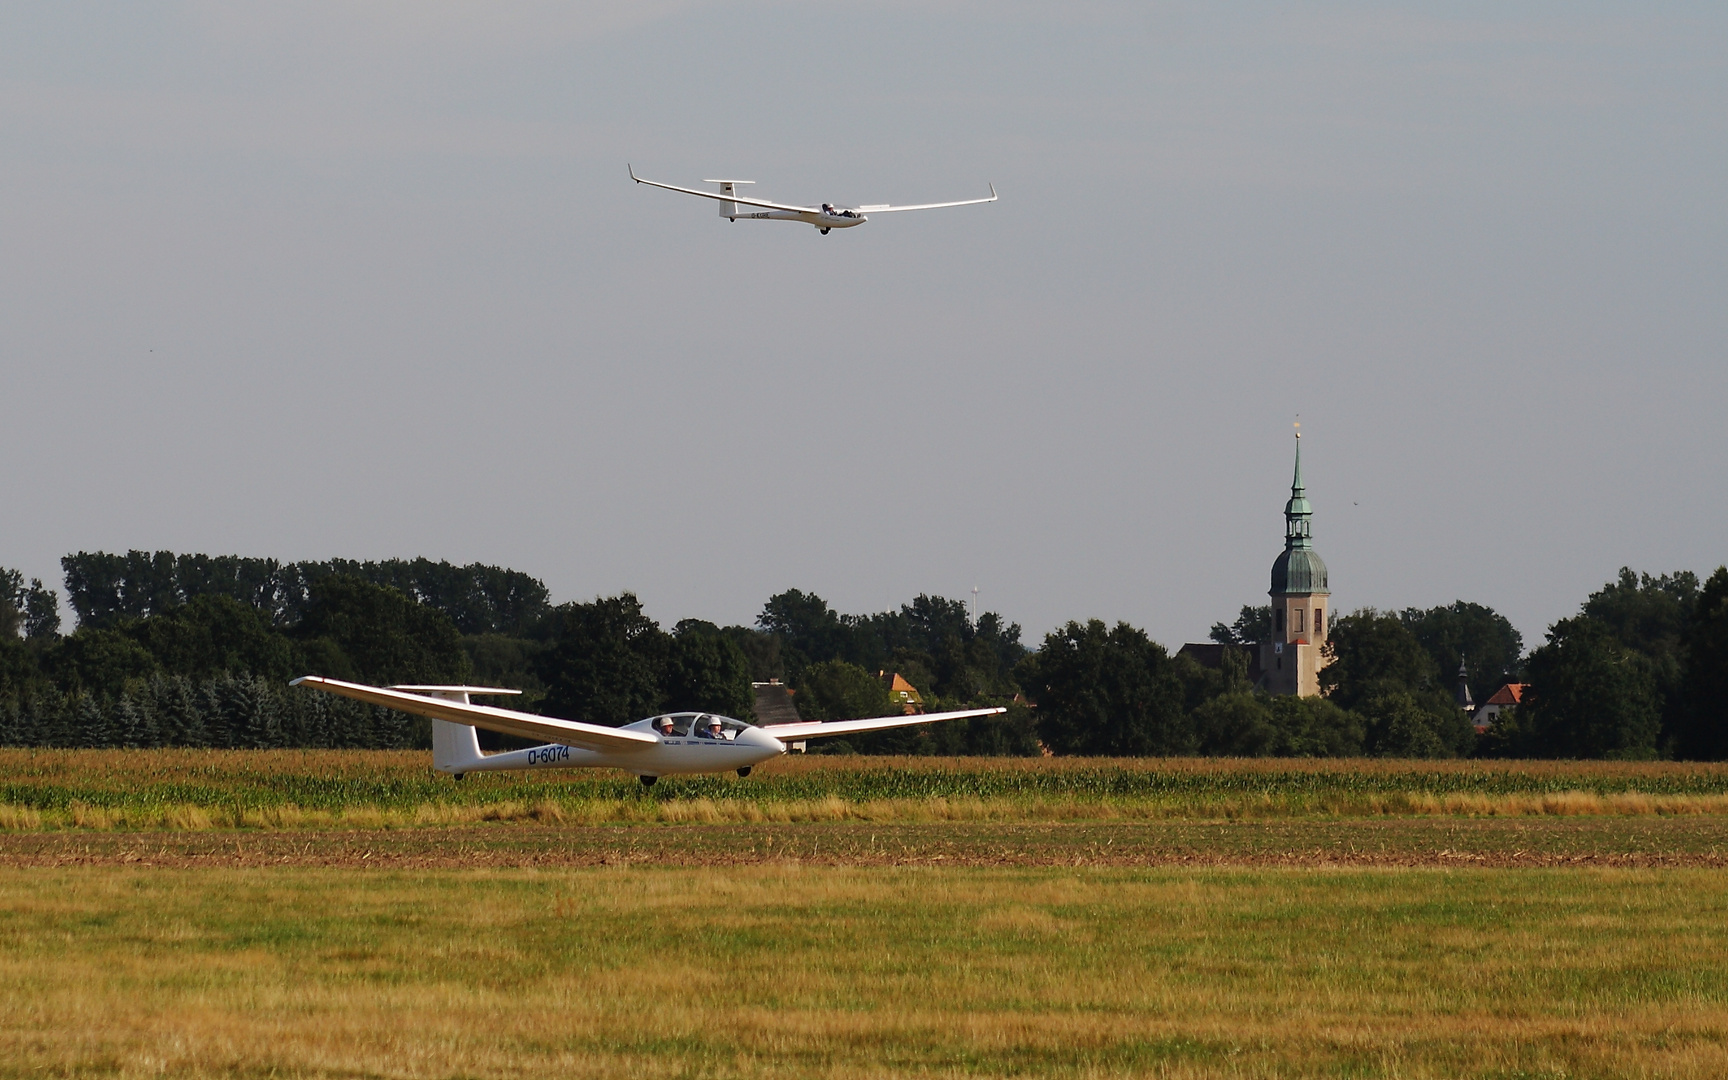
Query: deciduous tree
x=605 y=662
x=1103 y=690
x=1589 y=695
x=1705 y=731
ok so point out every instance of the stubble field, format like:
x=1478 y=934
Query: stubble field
x=352 y=916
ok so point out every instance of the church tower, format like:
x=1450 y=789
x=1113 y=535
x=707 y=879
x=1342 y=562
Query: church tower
x=1290 y=662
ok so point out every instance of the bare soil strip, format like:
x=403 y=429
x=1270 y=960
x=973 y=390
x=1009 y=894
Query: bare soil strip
x=1489 y=842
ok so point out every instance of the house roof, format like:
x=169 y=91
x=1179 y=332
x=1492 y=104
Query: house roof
x=1510 y=694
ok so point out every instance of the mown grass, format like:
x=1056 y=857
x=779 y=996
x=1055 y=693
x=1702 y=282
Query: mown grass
x=800 y=971
x=204 y=789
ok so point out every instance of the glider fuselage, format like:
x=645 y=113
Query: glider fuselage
x=743 y=747
x=809 y=217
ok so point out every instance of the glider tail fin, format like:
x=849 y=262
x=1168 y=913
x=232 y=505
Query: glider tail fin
x=728 y=208
x=455 y=747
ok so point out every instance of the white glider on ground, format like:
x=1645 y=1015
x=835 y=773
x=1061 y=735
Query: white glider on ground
x=683 y=742
x=824 y=217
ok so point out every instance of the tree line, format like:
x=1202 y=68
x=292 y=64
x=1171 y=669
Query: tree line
x=194 y=650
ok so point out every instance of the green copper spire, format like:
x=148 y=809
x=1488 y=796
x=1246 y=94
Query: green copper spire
x=1298 y=528
x=1299 y=570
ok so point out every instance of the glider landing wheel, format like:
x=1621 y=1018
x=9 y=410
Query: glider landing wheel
x=459 y=775
x=824 y=232
x=647 y=781
x=745 y=771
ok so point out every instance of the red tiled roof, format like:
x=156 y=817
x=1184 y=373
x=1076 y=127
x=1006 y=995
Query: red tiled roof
x=1510 y=694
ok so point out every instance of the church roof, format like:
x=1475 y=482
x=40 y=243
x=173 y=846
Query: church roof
x=1299 y=569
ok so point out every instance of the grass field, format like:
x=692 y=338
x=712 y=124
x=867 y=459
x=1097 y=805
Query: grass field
x=200 y=789
x=348 y=915
x=797 y=971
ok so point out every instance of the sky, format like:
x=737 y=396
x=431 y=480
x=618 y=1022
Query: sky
x=370 y=280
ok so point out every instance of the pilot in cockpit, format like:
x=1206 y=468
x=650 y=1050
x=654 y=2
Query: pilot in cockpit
x=713 y=730
x=665 y=727
x=827 y=208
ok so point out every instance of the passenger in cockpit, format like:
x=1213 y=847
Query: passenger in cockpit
x=828 y=208
x=664 y=726
x=713 y=730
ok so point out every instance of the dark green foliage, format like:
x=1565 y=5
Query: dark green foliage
x=479 y=599
x=1589 y=696
x=41 y=612
x=1646 y=613
x=1243 y=724
x=605 y=662
x=706 y=671
x=1479 y=636
x=1237 y=724
x=1704 y=733
x=1372 y=653
x=1315 y=727
x=32 y=612
x=838 y=690
x=1649 y=615
x=99 y=661
x=1013 y=734
x=761 y=651
x=18 y=670
x=509 y=662
x=809 y=631
x=11 y=603
x=228 y=711
x=932 y=637
x=384 y=636
x=1404 y=724
x=1252 y=625
x=179 y=715
x=1380 y=671
x=1106 y=690
x=192 y=650
x=93 y=723
x=214 y=635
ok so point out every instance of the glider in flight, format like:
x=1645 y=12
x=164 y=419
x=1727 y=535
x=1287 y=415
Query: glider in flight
x=824 y=217
x=682 y=742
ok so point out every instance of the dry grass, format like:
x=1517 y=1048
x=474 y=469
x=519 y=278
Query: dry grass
x=784 y=971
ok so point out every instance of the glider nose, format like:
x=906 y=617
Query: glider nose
x=755 y=736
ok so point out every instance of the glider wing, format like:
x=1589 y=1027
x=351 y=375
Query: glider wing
x=927 y=206
x=816 y=729
x=505 y=721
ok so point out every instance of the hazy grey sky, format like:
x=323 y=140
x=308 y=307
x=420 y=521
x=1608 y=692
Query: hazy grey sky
x=370 y=280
